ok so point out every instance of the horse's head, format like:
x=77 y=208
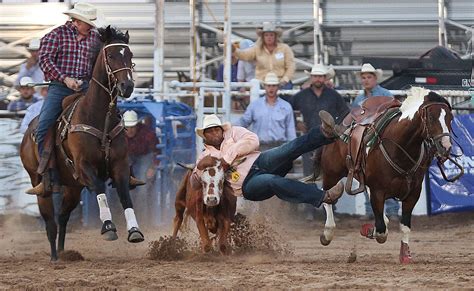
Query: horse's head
x=212 y=178
x=436 y=116
x=117 y=60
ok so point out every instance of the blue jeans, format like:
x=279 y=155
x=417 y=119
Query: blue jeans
x=51 y=109
x=391 y=206
x=266 y=176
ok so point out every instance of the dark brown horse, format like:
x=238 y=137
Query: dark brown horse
x=396 y=164
x=90 y=145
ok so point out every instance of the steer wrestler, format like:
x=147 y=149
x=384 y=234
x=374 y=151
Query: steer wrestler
x=260 y=175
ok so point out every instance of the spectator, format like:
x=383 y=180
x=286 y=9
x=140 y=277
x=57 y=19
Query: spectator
x=31 y=67
x=270 y=55
x=369 y=77
x=245 y=70
x=142 y=153
x=27 y=96
x=271 y=117
x=233 y=71
x=313 y=99
x=34 y=110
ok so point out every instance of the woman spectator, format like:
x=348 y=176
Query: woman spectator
x=270 y=55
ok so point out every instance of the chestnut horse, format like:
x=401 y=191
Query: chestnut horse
x=90 y=145
x=396 y=164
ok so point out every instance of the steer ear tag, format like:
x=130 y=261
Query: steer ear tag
x=234 y=176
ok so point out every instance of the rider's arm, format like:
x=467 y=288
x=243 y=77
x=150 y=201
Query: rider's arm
x=48 y=54
x=245 y=143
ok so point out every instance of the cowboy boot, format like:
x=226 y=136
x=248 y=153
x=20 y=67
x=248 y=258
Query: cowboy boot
x=133 y=182
x=36 y=190
x=328 y=127
x=332 y=195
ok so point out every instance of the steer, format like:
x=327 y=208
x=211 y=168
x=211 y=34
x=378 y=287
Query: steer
x=212 y=204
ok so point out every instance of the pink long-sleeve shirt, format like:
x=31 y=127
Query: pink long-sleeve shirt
x=239 y=149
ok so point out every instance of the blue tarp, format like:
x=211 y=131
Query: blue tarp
x=457 y=196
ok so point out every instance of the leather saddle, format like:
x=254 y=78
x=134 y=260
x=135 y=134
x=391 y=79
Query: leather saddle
x=366 y=122
x=48 y=158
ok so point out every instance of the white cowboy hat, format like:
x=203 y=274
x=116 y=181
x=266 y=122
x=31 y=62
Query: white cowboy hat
x=130 y=118
x=26 y=82
x=209 y=121
x=271 y=79
x=368 y=68
x=84 y=12
x=321 y=70
x=269 y=27
x=34 y=44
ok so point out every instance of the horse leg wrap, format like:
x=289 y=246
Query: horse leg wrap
x=104 y=208
x=131 y=219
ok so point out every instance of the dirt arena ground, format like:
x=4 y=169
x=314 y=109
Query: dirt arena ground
x=442 y=247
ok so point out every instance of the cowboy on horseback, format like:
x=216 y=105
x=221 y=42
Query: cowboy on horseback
x=65 y=58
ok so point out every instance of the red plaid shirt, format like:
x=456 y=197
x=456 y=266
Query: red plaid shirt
x=61 y=55
x=144 y=142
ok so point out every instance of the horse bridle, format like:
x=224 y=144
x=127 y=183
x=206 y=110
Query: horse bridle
x=428 y=143
x=112 y=79
x=112 y=84
x=433 y=141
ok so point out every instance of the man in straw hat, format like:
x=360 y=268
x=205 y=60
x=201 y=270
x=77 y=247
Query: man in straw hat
x=65 y=58
x=369 y=77
x=31 y=67
x=313 y=99
x=260 y=175
x=27 y=95
x=270 y=116
x=271 y=55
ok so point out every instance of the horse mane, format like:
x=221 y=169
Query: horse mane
x=416 y=97
x=107 y=35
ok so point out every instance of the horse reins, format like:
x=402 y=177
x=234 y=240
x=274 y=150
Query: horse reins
x=104 y=136
x=428 y=142
x=112 y=84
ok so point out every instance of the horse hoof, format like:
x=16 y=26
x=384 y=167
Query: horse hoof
x=224 y=250
x=135 y=235
x=110 y=235
x=207 y=248
x=367 y=230
x=406 y=260
x=405 y=254
x=323 y=240
x=381 y=239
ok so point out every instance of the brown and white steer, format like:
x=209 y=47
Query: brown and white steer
x=212 y=205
